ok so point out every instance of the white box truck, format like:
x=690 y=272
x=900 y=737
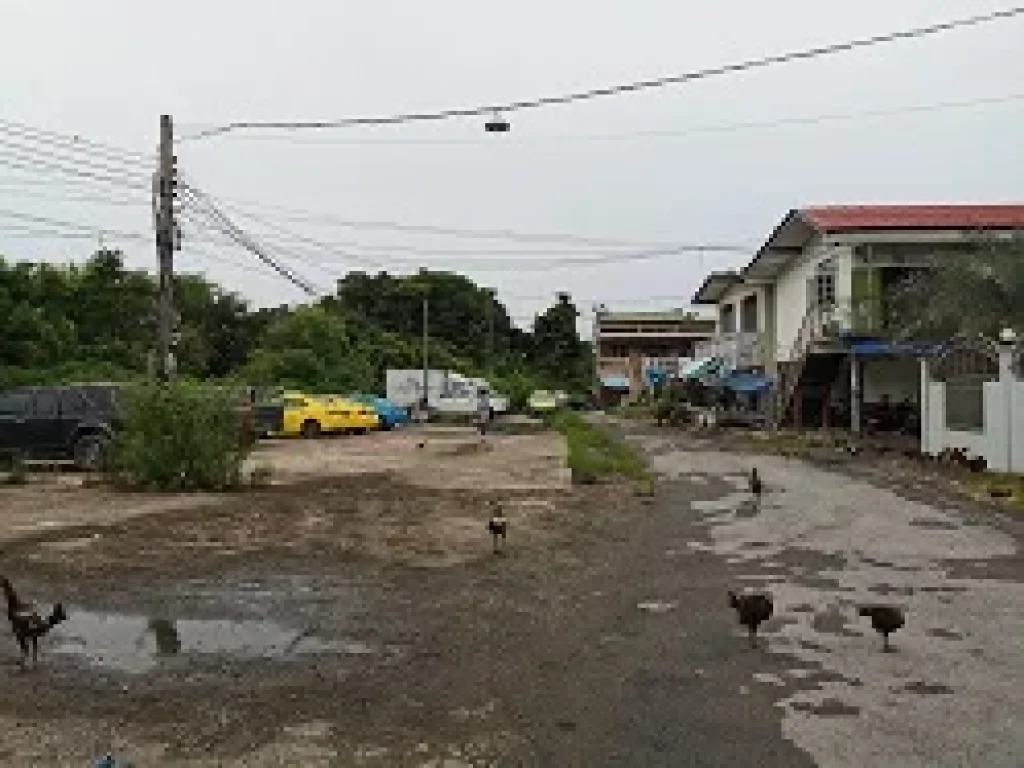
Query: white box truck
x=447 y=391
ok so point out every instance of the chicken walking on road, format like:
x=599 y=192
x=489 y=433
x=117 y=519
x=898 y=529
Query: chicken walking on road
x=885 y=619
x=28 y=624
x=498 y=527
x=752 y=610
x=756 y=485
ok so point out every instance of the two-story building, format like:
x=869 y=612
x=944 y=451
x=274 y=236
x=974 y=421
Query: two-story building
x=809 y=310
x=637 y=349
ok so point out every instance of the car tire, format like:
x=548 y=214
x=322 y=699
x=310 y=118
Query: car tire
x=90 y=452
x=311 y=430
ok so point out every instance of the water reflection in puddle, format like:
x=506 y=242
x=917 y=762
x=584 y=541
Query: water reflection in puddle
x=137 y=644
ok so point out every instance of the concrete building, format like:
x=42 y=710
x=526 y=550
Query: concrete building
x=635 y=349
x=808 y=311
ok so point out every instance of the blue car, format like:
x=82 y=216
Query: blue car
x=390 y=415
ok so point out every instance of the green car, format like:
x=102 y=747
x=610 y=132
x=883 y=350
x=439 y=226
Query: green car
x=542 y=402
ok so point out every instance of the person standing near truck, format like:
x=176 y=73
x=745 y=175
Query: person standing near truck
x=484 y=413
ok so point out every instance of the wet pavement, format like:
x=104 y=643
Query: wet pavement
x=601 y=638
x=824 y=543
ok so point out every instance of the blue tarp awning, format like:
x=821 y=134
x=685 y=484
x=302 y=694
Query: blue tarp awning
x=615 y=382
x=656 y=376
x=696 y=369
x=747 y=383
x=878 y=348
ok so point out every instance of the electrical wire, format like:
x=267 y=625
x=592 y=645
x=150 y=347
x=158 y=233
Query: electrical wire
x=77 y=142
x=666 y=133
x=311 y=217
x=59 y=155
x=56 y=234
x=220 y=221
x=617 y=90
x=33 y=219
x=35 y=165
x=74 y=198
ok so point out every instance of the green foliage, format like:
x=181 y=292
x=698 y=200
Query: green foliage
x=594 y=453
x=180 y=437
x=977 y=289
x=565 y=361
x=96 y=322
x=17 y=471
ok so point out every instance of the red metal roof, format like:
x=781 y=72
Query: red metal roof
x=852 y=217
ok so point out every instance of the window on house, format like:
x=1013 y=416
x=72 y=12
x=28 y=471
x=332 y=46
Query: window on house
x=727 y=319
x=965 y=404
x=748 y=314
x=823 y=288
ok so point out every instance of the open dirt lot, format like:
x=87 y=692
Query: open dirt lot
x=352 y=613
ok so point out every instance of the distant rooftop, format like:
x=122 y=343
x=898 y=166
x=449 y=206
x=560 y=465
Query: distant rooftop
x=681 y=313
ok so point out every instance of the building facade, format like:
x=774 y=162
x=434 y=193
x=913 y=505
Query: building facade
x=809 y=310
x=637 y=349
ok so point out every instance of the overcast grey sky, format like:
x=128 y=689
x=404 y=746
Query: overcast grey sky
x=106 y=69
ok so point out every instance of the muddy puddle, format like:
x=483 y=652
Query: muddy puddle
x=139 y=644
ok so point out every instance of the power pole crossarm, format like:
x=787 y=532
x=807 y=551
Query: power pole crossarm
x=166 y=243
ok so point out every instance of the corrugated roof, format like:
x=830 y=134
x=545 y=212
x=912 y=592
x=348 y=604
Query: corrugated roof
x=832 y=218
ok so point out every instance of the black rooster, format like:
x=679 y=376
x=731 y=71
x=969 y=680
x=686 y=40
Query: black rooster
x=753 y=610
x=498 y=527
x=27 y=623
x=885 y=619
x=756 y=485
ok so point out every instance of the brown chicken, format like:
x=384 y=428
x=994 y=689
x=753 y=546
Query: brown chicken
x=27 y=623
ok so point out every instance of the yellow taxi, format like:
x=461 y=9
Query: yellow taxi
x=354 y=417
x=306 y=415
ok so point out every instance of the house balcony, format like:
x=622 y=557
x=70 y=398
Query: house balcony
x=858 y=317
x=737 y=350
x=622 y=365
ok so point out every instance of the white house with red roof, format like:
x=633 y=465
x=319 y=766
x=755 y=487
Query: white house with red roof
x=807 y=311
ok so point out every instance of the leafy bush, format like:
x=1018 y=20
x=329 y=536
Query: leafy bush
x=17 y=472
x=181 y=437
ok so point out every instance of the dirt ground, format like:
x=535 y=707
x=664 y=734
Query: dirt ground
x=352 y=613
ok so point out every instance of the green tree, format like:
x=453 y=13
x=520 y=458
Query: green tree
x=558 y=353
x=975 y=290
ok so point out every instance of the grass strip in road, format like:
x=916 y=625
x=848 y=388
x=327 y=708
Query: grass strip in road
x=595 y=454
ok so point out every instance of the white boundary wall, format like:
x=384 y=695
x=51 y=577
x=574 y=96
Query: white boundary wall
x=1000 y=442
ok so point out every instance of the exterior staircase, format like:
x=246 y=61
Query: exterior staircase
x=804 y=385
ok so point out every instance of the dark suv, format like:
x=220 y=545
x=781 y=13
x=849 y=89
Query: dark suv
x=72 y=422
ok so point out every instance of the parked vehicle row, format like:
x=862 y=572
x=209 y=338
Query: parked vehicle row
x=78 y=422
x=60 y=423
x=310 y=416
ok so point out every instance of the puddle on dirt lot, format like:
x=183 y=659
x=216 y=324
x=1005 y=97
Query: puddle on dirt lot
x=136 y=644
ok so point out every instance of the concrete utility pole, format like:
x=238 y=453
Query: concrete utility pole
x=490 y=335
x=426 y=352
x=166 y=189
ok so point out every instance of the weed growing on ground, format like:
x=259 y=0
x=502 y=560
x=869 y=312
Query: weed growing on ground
x=594 y=454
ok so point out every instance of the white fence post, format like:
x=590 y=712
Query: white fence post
x=1006 y=379
x=925 y=419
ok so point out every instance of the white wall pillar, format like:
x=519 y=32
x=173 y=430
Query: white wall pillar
x=1006 y=381
x=927 y=439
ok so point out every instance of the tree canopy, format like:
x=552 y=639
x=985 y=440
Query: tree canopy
x=97 y=321
x=974 y=290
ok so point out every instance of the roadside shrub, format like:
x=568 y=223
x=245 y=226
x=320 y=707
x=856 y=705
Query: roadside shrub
x=594 y=453
x=17 y=471
x=180 y=437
